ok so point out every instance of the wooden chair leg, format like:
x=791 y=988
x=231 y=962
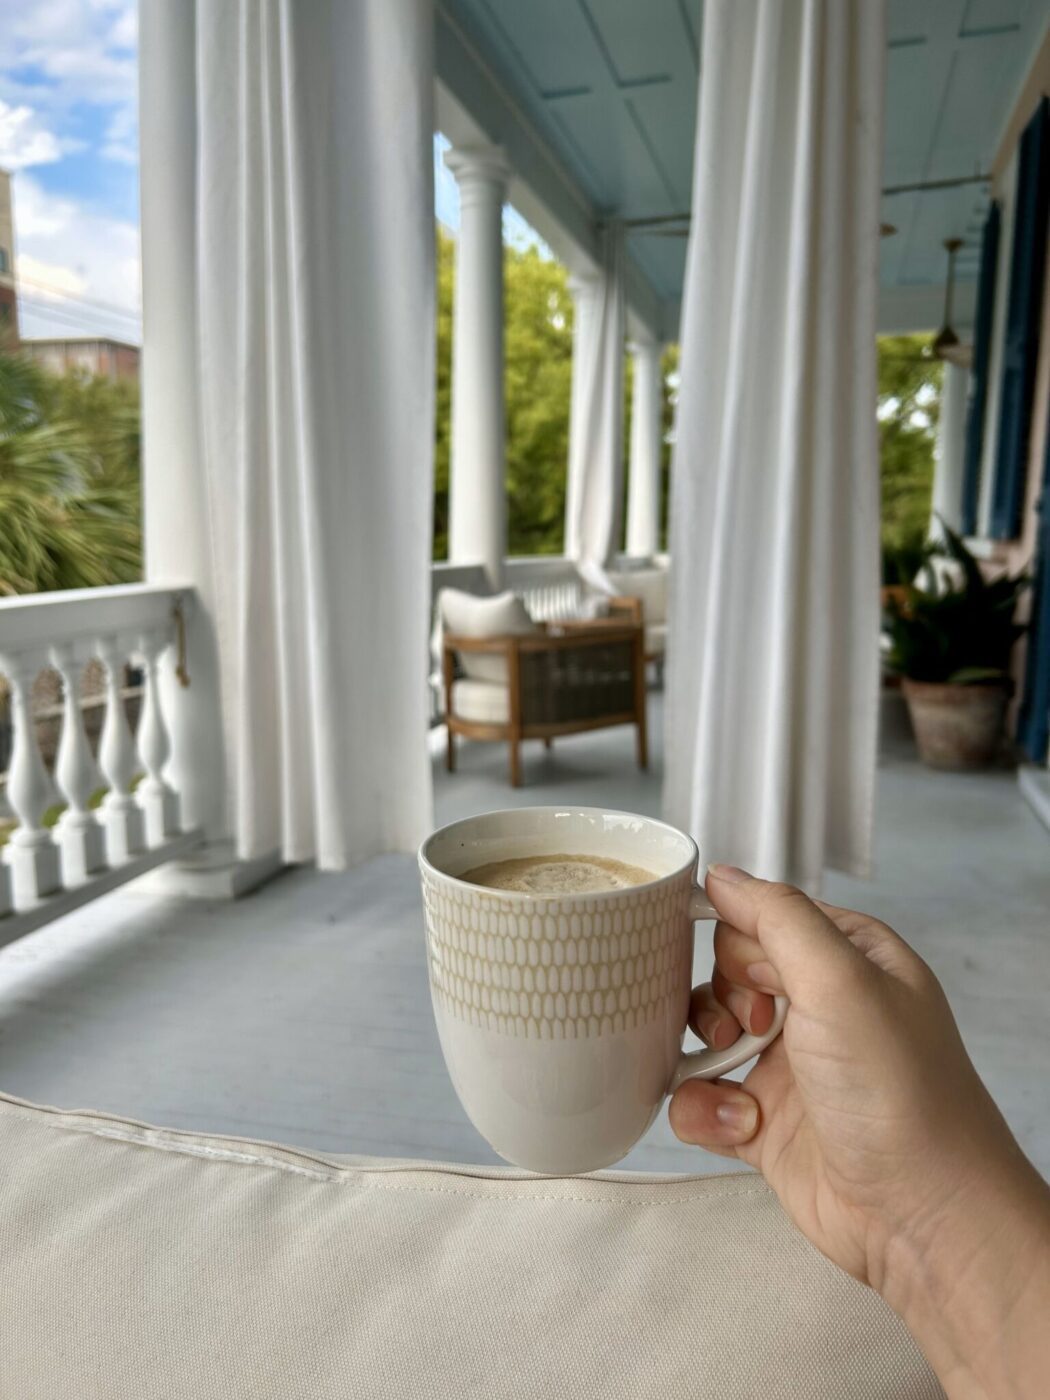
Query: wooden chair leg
x=450 y=751
x=548 y=743
x=515 y=763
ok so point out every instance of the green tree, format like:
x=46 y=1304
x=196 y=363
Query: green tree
x=70 y=510
x=538 y=316
x=908 y=408
x=538 y=379
x=446 y=250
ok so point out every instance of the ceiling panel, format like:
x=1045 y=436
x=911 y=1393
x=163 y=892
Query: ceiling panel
x=963 y=128
x=643 y=41
x=907 y=22
x=992 y=16
x=548 y=41
x=611 y=84
x=616 y=147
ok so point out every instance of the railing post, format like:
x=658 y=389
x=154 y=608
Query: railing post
x=80 y=838
x=34 y=856
x=121 y=814
x=160 y=806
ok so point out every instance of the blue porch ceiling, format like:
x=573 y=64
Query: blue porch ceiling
x=612 y=87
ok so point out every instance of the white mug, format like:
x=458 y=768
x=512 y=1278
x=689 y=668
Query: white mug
x=561 y=1017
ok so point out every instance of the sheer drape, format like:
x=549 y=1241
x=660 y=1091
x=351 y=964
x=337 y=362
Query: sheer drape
x=773 y=647
x=311 y=270
x=593 y=509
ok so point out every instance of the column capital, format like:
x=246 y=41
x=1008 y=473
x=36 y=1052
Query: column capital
x=583 y=284
x=477 y=167
x=649 y=345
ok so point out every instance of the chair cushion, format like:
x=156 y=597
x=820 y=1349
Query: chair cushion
x=481 y=701
x=139 y=1262
x=656 y=639
x=470 y=616
x=650 y=585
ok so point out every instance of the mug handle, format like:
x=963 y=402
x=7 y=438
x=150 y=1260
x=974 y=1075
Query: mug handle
x=707 y=1063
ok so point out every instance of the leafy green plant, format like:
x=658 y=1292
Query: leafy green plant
x=901 y=562
x=69 y=480
x=959 y=626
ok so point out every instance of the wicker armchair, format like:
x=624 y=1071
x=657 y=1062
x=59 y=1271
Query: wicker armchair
x=567 y=680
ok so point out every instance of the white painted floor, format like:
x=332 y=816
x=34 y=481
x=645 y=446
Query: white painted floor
x=301 y=1013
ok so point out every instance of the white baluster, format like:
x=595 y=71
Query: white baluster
x=81 y=839
x=160 y=805
x=33 y=857
x=121 y=814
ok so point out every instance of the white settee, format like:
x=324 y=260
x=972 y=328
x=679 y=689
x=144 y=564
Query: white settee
x=145 y=1264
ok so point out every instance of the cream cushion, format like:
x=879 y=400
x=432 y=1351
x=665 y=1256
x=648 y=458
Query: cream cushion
x=481 y=701
x=143 y=1264
x=466 y=615
x=650 y=585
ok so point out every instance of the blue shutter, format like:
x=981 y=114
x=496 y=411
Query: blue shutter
x=1033 y=724
x=1023 y=314
x=982 y=349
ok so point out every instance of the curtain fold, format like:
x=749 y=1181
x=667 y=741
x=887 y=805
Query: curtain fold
x=772 y=684
x=594 y=490
x=312 y=272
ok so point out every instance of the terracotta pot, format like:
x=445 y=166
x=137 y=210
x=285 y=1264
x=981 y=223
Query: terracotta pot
x=957 y=726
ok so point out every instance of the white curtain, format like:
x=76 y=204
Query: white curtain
x=594 y=490
x=773 y=647
x=311 y=269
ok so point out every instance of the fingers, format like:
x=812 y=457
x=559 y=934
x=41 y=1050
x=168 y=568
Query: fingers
x=799 y=941
x=712 y=1114
x=741 y=963
x=711 y=1020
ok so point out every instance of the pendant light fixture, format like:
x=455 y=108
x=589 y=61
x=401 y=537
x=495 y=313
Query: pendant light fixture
x=947 y=345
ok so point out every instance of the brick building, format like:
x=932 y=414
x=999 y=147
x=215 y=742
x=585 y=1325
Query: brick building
x=114 y=359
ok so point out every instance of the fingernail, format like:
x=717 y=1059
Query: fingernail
x=764 y=976
x=740 y=1116
x=732 y=874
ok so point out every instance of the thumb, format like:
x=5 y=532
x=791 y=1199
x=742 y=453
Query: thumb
x=809 y=954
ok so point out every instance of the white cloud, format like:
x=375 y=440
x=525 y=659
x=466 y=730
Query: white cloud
x=79 y=271
x=59 y=57
x=24 y=140
x=122 y=137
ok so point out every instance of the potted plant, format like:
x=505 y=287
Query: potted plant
x=950 y=641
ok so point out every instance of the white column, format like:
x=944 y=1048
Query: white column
x=477 y=484
x=643 y=480
x=586 y=300
x=949 y=454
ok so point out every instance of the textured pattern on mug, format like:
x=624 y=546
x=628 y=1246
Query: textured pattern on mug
x=557 y=969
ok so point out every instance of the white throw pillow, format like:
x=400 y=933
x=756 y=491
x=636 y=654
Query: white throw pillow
x=650 y=585
x=139 y=1262
x=466 y=615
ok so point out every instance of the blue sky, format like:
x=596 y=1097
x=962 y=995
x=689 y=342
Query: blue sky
x=68 y=135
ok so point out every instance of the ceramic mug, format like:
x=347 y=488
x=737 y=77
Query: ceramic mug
x=561 y=1017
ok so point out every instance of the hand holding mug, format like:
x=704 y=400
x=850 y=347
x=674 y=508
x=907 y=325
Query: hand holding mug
x=870 y=1122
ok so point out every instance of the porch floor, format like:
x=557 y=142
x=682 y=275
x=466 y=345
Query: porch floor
x=301 y=1012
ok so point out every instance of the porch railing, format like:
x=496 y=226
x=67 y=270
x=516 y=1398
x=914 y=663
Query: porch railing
x=82 y=819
